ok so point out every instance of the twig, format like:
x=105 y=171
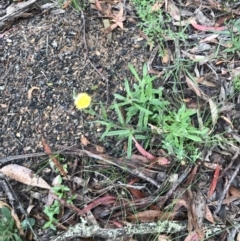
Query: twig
x=223 y=194
x=16 y=10
x=115 y=162
x=81 y=230
x=175 y=185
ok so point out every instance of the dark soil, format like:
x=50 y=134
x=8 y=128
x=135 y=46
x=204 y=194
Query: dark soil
x=47 y=51
x=47 y=56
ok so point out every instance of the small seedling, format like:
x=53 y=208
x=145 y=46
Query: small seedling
x=236 y=83
x=51 y=212
x=179 y=132
x=8 y=229
x=235 y=37
x=61 y=191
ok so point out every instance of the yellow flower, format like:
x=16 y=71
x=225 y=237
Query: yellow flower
x=82 y=101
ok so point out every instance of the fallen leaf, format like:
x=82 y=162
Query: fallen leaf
x=162 y=161
x=173 y=10
x=194 y=86
x=157 y=5
x=208 y=215
x=214 y=112
x=142 y=151
x=234 y=191
x=98 y=5
x=57 y=164
x=151 y=216
x=228 y=121
x=193 y=236
x=214 y=181
x=84 y=140
x=100 y=149
x=31 y=90
x=165 y=57
x=136 y=193
x=117 y=19
x=193 y=22
x=3 y=106
x=24 y=175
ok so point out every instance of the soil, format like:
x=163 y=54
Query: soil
x=48 y=55
x=45 y=56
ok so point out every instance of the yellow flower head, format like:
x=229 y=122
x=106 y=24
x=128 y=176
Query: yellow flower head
x=82 y=101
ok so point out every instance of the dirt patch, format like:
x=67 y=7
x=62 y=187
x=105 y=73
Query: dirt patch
x=48 y=51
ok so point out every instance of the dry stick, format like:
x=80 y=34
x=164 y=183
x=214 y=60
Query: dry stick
x=81 y=230
x=175 y=185
x=8 y=159
x=16 y=10
x=223 y=194
x=94 y=67
x=116 y=163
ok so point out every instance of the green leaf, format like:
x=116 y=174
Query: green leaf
x=119 y=113
x=194 y=138
x=118 y=133
x=134 y=72
x=143 y=109
x=129 y=151
x=26 y=222
x=6 y=213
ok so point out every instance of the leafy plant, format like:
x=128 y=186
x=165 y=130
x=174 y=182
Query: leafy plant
x=142 y=105
x=155 y=23
x=179 y=132
x=51 y=211
x=235 y=37
x=8 y=229
x=236 y=83
x=145 y=105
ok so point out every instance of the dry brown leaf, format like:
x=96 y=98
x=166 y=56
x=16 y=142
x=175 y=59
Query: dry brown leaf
x=214 y=112
x=208 y=215
x=98 y=5
x=57 y=164
x=197 y=58
x=84 y=140
x=228 y=121
x=151 y=216
x=234 y=191
x=24 y=175
x=204 y=81
x=157 y=5
x=194 y=86
x=212 y=39
x=31 y=90
x=164 y=238
x=117 y=19
x=193 y=236
x=165 y=57
x=211 y=165
x=3 y=106
x=100 y=149
x=106 y=24
x=173 y=11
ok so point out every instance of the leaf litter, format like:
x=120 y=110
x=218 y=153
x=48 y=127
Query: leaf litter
x=207 y=190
